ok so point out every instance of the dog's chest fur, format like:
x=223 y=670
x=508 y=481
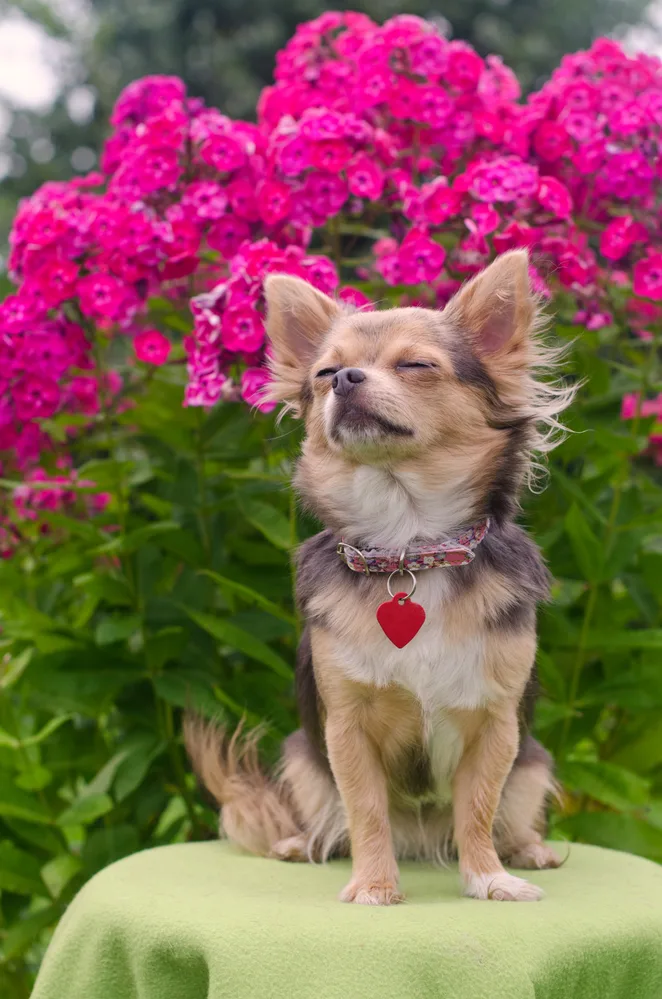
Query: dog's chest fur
x=440 y=670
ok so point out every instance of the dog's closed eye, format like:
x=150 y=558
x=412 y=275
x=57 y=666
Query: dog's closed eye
x=415 y=364
x=327 y=371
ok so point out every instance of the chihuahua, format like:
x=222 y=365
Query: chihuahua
x=415 y=673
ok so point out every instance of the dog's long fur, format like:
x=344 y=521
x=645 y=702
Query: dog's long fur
x=422 y=751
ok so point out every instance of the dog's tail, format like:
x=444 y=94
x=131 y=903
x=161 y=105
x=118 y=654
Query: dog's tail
x=255 y=811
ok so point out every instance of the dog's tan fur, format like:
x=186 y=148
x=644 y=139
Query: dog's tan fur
x=414 y=453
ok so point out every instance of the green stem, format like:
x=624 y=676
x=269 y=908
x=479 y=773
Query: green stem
x=202 y=509
x=336 y=242
x=167 y=726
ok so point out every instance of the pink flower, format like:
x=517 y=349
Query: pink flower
x=485 y=218
x=205 y=199
x=223 y=152
x=56 y=280
x=227 y=235
x=648 y=277
x=331 y=154
x=464 y=67
x=152 y=347
x=242 y=198
x=365 y=178
x=551 y=141
x=294 y=156
x=243 y=330
x=439 y=201
x=420 y=259
x=555 y=197
x=103 y=296
x=35 y=397
x=506 y=178
x=355 y=297
x=649 y=407
x=321 y=272
x=619 y=236
x=274 y=201
x=253 y=384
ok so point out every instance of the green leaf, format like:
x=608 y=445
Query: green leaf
x=586 y=547
x=14 y=668
x=271 y=522
x=550 y=676
x=20 y=804
x=125 y=544
x=106 y=845
x=19 y=871
x=44 y=838
x=617 y=832
x=52 y=726
x=85 y=810
x=251 y=596
x=59 y=871
x=133 y=769
x=650 y=638
x=117 y=628
x=102 y=783
x=34 y=778
x=22 y=935
x=184 y=690
x=644 y=752
x=607 y=783
x=229 y=634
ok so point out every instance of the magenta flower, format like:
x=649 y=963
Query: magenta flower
x=555 y=197
x=253 y=383
x=243 y=330
x=35 y=397
x=274 y=201
x=619 y=236
x=365 y=178
x=420 y=259
x=102 y=296
x=152 y=347
x=648 y=277
x=227 y=235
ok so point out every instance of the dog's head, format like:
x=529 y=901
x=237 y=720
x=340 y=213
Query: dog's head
x=451 y=394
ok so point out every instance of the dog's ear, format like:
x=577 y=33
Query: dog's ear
x=496 y=310
x=298 y=316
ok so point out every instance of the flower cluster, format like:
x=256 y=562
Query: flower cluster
x=383 y=156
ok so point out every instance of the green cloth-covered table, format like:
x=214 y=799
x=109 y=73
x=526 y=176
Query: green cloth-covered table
x=203 y=921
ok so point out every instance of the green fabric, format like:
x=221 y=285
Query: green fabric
x=203 y=920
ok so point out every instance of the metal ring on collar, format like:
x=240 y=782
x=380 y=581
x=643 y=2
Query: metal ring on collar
x=396 y=572
x=341 y=550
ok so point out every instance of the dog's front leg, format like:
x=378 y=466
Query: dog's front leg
x=362 y=784
x=489 y=753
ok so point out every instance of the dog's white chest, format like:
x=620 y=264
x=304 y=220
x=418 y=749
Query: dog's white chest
x=440 y=673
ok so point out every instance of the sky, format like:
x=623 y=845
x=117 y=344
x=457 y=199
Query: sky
x=33 y=66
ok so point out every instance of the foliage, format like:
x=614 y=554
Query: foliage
x=147 y=543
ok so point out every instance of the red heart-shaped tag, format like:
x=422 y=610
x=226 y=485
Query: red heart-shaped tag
x=400 y=619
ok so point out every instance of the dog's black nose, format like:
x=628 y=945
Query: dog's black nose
x=345 y=380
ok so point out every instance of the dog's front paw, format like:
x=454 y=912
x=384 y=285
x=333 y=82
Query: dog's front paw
x=372 y=893
x=501 y=887
x=535 y=856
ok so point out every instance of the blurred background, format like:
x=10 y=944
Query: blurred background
x=63 y=62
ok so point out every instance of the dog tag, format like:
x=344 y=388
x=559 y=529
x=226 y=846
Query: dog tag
x=400 y=619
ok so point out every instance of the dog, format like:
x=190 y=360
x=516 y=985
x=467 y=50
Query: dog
x=421 y=431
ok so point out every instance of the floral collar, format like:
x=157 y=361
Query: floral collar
x=459 y=550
